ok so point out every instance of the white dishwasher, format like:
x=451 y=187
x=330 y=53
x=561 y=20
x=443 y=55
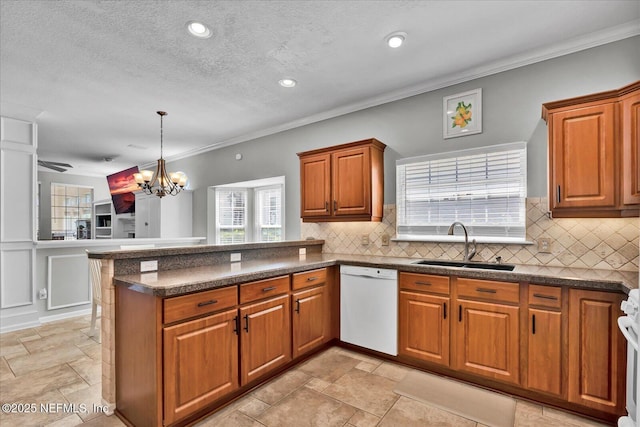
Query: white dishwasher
x=369 y=308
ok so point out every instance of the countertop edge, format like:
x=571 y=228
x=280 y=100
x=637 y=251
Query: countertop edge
x=404 y=265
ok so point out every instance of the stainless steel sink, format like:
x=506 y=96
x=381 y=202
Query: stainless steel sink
x=467 y=264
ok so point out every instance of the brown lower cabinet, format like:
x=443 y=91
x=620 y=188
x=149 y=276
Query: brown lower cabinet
x=200 y=363
x=487 y=340
x=183 y=355
x=596 y=351
x=308 y=319
x=545 y=355
x=265 y=342
x=556 y=345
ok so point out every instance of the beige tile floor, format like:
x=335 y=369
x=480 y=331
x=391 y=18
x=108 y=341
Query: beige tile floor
x=58 y=364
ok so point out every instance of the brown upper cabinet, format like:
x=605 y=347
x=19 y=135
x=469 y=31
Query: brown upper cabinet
x=594 y=153
x=343 y=183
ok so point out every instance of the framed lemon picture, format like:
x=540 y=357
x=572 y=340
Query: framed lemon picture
x=462 y=114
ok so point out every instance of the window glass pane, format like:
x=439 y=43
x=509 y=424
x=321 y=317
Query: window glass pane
x=269 y=213
x=485 y=189
x=231 y=208
x=71 y=212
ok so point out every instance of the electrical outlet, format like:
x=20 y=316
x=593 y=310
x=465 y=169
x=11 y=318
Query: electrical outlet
x=544 y=245
x=148 y=266
x=365 y=239
x=384 y=239
x=302 y=251
x=42 y=293
x=236 y=257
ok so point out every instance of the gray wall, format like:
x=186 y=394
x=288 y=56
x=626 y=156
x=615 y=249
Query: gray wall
x=511 y=107
x=100 y=192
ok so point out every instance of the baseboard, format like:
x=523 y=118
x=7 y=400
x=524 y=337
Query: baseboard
x=20 y=321
x=69 y=315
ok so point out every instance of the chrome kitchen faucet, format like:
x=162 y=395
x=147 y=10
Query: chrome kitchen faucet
x=467 y=255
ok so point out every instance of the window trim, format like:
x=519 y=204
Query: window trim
x=458 y=237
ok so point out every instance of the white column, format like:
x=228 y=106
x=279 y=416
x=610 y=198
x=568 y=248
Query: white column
x=18 y=181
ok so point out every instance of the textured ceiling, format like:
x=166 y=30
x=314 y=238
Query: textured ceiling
x=93 y=73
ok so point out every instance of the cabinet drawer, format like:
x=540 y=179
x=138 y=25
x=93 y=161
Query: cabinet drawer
x=488 y=290
x=184 y=307
x=309 y=278
x=263 y=289
x=425 y=283
x=545 y=296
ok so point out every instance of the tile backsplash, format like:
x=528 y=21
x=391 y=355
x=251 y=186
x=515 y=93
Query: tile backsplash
x=610 y=244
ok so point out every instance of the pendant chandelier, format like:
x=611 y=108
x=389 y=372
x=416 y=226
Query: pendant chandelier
x=160 y=182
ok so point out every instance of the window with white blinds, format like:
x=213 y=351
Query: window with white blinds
x=249 y=214
x=483 y=188
x=231 y=215
x=268 y=214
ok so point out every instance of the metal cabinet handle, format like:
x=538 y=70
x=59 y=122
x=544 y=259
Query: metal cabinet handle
x=311 y=279
x=246 y=323
x=236 y=325
x=270 y=288
x=423 y=283
x=203 y=303
x=335 y=205
x=297 y=309
x=445 y=310
x=486 y=291
x=460 y=313
x=533 y=324
x=558 y=194
x=543 y=296
x=326 y=206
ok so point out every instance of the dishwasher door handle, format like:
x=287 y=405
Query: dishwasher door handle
x=368 y=276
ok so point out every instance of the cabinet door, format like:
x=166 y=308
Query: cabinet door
x=487 y=340
x=147 y=216
x=596 y=351
x=308 y=320
x=265 y=342
x=200 y=363
x=351 y=181
x=630 y=114
x=424 y=327
x=315 y=183
x=544 y=368
x=583 y=158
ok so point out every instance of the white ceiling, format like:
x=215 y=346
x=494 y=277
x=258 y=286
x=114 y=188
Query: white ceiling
x=93 y=73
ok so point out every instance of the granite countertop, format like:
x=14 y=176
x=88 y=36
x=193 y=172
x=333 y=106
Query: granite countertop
x=182 y=281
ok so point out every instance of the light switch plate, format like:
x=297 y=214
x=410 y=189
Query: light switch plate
x=148 y=266
x=236 y=257
x=384 y=240
x=302 y=251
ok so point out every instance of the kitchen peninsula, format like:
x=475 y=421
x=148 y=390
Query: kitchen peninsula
x=198 y=289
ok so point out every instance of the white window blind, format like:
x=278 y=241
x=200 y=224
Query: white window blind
x=231 y=215
x=268 y=213
x=483 y=188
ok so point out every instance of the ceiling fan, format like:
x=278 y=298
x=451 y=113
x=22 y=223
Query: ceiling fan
x=56 y=166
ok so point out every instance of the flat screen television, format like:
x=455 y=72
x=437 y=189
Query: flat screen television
x=121 y=186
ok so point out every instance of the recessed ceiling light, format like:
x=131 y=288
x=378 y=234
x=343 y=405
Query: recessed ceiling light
x=287 y=82
x=396 y=39
x=199 y=30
